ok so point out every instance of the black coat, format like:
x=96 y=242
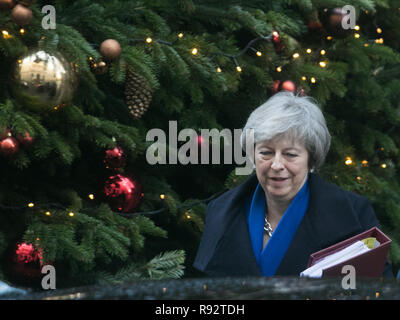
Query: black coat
x=333 y=215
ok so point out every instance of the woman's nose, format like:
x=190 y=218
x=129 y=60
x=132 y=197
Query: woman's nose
x=277 y=163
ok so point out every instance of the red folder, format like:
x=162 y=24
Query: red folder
x=367 y=264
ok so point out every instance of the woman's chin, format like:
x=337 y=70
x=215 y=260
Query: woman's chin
x=278 y=193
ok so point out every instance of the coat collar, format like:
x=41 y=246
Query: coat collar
x=328 y=219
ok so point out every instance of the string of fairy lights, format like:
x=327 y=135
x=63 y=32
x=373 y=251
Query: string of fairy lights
x=273 y=37
x=365 y=163
x=195 y=50
x=46 y=208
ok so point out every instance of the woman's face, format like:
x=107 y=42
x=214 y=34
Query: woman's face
x=281 y=167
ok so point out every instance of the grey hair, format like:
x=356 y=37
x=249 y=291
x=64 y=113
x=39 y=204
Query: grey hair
x=291 y=116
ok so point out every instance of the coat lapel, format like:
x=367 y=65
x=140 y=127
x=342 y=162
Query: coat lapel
x=233 y=254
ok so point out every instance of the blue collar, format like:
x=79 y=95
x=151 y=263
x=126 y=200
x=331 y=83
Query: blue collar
x=270 y=258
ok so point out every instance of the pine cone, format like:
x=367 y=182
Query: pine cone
x=138 y=94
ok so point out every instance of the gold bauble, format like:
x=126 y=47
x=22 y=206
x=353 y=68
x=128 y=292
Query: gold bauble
x=110 y=49
x=43 y=81
x=21 y=15
x=99 y=68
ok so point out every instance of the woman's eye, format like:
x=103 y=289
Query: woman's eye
x=268 y=153
x=291 y=155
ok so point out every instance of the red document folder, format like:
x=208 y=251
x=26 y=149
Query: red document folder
x=367 y=264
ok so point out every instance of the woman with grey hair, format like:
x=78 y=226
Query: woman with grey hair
x=273 y=221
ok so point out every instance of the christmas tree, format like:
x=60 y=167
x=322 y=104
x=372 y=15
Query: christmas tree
x=84 y=82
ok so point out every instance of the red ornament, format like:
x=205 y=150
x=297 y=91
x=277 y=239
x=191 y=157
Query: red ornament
x=25 y=139
x=9 y=146
x=275 y=87
x=288 y=86
x=115 y=158
x=28 y=260
x=124 y=194
x=277 y=41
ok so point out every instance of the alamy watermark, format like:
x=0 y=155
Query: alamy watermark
x=349 y=19
x=349 y=280
x=188 y=153
x=49 y=280
x=49 y=20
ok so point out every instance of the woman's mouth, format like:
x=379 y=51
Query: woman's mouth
x=278 y=179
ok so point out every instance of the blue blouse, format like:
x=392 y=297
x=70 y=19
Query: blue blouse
x=271 y=256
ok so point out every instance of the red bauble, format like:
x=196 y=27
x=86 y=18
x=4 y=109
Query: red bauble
x=277 y=41
x=288 y=86
x=9 y=146
x=275 y=37
x=115 y=158
x=123 y=193
x=275 y=87
x=25 y=139
x=27 y=260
